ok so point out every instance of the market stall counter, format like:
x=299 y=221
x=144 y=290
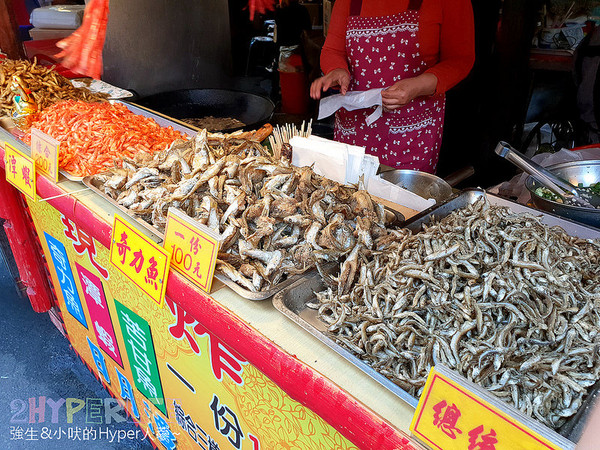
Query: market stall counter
x=210 y=370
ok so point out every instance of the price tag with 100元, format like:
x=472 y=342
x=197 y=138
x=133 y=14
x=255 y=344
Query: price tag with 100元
x=194 y=248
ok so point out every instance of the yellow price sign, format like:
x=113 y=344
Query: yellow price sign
x=140 y=259
x=44 y=151
x=193 y=247
x=454 y=413
x=20 y=170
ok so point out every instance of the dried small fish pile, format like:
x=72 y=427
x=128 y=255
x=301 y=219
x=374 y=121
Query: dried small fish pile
x=46 y=85
x=275 y=220
x=506 y=301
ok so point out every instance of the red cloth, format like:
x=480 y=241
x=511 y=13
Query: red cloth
x=82 y=50
x=45 y=52
x=21 y=12
x=446 y=36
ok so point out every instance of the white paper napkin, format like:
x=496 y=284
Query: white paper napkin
x=353 y=100
x=327 y=158
x=379 y=187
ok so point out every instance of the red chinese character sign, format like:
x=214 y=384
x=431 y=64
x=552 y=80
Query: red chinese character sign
x=185 y=387
x=140 y=259
x=20 y=171
x=83 y=244
x=454 y=413
x=193 y=247
x=44 y=151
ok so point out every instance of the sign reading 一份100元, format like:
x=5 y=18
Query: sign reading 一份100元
x=193 y=248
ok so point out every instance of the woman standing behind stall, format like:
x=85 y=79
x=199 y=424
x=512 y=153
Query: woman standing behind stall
x=416 y=50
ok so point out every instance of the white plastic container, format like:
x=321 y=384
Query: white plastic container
x=64 y=17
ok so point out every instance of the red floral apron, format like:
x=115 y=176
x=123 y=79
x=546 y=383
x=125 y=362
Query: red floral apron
x=381 y=51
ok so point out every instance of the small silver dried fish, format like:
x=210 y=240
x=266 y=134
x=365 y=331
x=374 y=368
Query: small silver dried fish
x=499 y=297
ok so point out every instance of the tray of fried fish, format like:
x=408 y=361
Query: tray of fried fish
x=276 y=221
x=498 y=292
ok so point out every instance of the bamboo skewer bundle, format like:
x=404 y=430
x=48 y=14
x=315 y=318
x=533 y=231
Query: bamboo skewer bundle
x=282 y=134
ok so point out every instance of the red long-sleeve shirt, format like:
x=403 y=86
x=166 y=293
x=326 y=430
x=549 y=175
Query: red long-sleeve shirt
x=446 y=36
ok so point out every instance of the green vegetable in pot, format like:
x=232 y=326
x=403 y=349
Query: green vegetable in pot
x=547 y=194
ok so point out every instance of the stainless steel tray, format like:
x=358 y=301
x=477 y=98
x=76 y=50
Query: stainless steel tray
x=293 y=301
x=89 y=182
x=470 y=196
x=262 y=295
x=256 y=296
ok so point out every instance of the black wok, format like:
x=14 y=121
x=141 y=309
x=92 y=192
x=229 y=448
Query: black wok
x=251 y=109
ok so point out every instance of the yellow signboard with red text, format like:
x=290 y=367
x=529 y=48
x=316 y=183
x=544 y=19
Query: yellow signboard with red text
x=20 y=171
x=454 y=413
x=145 y=263
x=193 y=247
x=44 y=151
x=184 y=386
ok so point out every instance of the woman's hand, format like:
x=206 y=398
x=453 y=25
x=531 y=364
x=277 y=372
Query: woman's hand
x=336 y=78
x=404 y=91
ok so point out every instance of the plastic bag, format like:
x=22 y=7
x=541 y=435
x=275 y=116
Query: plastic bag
x=353 y=100
x=82 y=50
x=24 y=104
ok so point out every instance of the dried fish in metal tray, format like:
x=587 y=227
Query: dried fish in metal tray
x=470 y=196
x=353 y=310
x=92 y=182
x=293 y=302
x=276 y=220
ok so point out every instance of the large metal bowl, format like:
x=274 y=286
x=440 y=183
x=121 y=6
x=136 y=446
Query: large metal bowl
x=423 y=184
x=575 y=172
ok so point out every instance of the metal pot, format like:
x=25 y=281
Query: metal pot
x=251 y=109
x=425 y=184
x=575 y=172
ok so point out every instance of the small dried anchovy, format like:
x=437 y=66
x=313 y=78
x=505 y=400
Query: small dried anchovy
x=47 y=86
x=501 y=298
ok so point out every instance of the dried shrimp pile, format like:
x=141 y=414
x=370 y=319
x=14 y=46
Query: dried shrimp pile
x=46 y=85
x=499 y=297
x=95 y=136
x=275 y=220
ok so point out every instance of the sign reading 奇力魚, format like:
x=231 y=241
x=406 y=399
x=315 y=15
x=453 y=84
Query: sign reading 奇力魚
x=145 y=263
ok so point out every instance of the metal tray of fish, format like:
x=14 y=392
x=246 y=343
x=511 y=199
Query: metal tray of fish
x=470 y=196
x=247 y=294
x=262 y=295
x=90 y=180
x=293 y=303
